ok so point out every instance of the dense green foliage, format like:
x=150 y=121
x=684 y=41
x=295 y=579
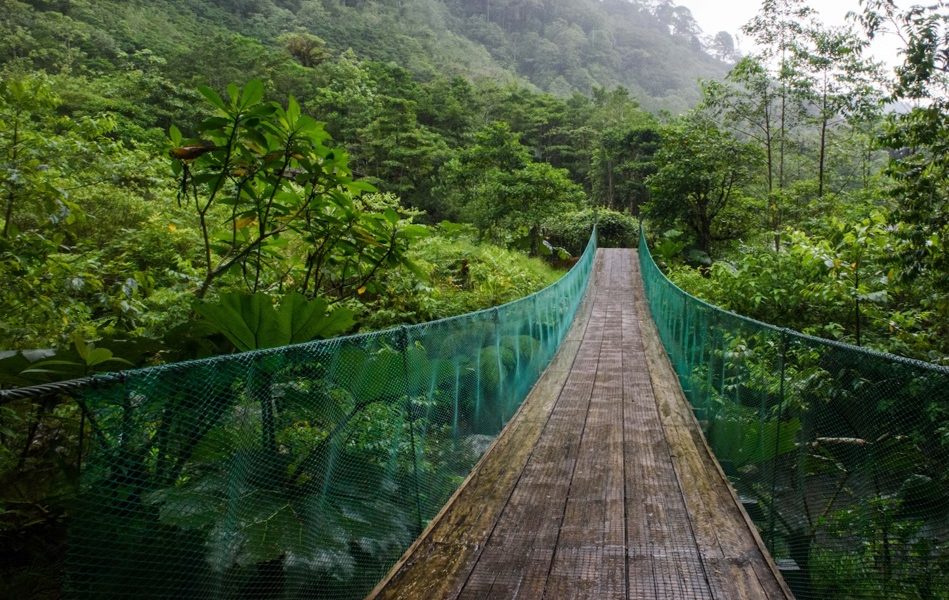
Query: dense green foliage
x=464 y=275
x=700 y=173
x=154 y=212
x=780 y=175
x=614 y=229
x=302 y=470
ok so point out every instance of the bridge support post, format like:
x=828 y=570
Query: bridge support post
x=410 y=415
x=777 y=439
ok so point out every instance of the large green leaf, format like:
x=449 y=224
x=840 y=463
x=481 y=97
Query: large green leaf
x=195 y=505
x=252 y=93
x=212 y=97
x=751 y=441
x=370 y=376
x=16 y=366
x=240 y=317
x=251 y=322
x=310 y=319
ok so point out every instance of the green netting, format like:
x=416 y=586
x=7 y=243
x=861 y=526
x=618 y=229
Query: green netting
x=838 y=453
x=295 y=472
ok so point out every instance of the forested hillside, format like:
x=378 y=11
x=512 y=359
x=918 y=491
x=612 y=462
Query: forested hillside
x=103 y=242
x=561 y=46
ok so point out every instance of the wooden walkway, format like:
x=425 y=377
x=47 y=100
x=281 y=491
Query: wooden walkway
x=601 y=486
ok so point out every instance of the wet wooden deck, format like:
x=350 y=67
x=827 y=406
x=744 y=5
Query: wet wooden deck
x=600 y=487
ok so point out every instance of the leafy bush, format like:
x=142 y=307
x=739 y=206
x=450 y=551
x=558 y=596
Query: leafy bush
x=838 y=286
x=463 y=275
x=572 y=230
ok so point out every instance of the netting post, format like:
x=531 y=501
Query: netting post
x=82 y=439
x=409 y=413
x=534 y=320
x=502 y=399
x=685 y=375
x=777 y=441
x=260 y=384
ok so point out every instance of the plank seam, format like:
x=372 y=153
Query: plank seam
x=623 y=451
x=573 y=471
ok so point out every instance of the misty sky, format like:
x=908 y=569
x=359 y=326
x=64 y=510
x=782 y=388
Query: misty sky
x=729 y=15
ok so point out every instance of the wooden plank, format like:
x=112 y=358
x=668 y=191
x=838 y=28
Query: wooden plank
x=665 y=542
x=637 y=398
x=589 y=560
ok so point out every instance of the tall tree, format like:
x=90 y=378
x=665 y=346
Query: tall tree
x=271 y=176
x=777 y=30
x=764 y=94
x=918 y=141
x=626 y=140
x=842 y=86
x=701 y=171
x=497 y=186
x=620 y=166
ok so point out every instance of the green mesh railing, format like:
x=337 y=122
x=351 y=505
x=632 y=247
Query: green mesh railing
x=839 y=453
x=295 y=472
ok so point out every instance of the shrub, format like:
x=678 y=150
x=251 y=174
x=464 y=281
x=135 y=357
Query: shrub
x=462 y=275
x=572 y=230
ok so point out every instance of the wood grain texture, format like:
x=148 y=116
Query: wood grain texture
x=601 y=486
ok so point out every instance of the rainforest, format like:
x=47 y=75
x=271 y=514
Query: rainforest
x=181 y=180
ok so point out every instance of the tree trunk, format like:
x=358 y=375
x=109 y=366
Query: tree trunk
x=856 y=297
x=609 y=182
x=11 y=193
x=823 y=144
x=823 y=153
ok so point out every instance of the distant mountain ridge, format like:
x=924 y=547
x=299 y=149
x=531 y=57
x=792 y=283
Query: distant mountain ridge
x=653 y=48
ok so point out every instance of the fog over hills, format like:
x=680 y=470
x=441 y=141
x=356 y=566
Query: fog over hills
x=654 y=48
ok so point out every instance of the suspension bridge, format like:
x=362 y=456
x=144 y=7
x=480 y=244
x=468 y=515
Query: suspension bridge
x=607 y=437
